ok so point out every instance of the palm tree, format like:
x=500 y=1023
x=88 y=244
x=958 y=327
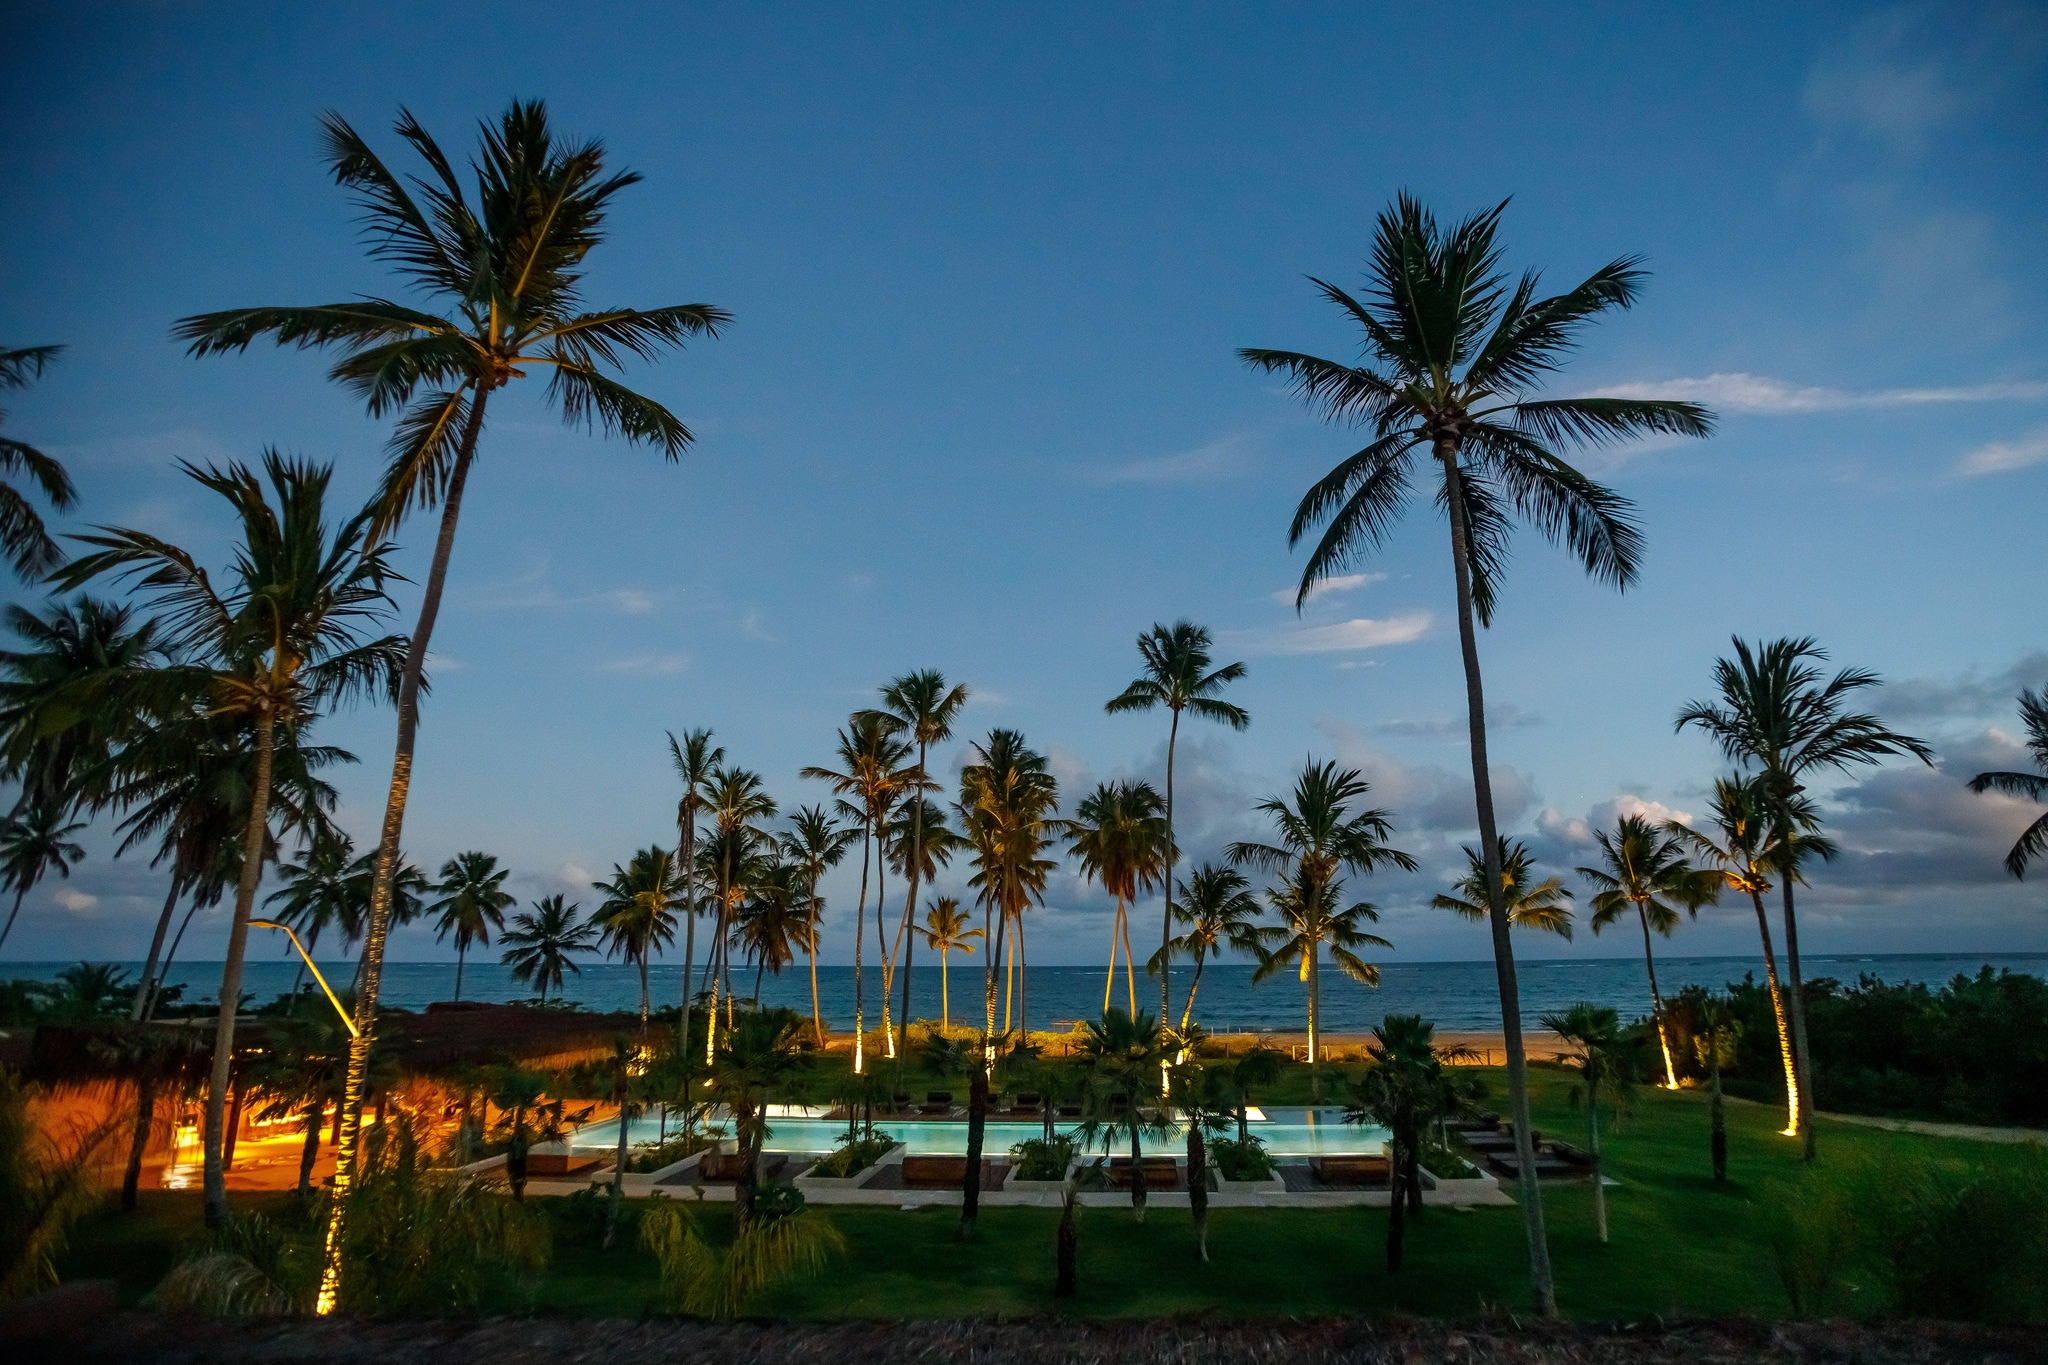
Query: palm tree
x=34 y=843
x=919 y=845
x=506 y=270
x=1009 y=814
x=1454 y=355
x=1203 y=1098
x=65 y=697
x=1124 y=1057
x=760 y=1057
x=1715 y=1032
x=2033 y=840
x=1218 y=909
x=1745 y=853
x=1778 y=715
x=738 y=804
x=1320 y=837
x=695 y=758
x=947 y=930
x=23 y=540
x=317 y=892
x=280 y=644
x=1644 y=869
x=774 y=921
x=473 y=902
x=300 y=1074
x=635 y=919
x=1404 y=1089
x=923 y=709
x=1119 y=833
x=870 y=761
x=1177 y=676
x=1605 y=1062
x=1530 y=904
x=543 y=942
x=815 y=842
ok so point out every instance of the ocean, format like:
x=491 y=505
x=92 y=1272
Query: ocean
x=1455 y=995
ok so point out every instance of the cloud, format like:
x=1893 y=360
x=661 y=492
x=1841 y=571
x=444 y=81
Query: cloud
x=647 y=665
x=1329 y=587
x=751 y=627
x=2001 y=457
x=1973 y=694
x=1910 y=829
x=531 y=591
x=1426 y=798
x=1882 y=83
x=1226 y=457
x=1762 y=395
x=1362 y=632
x=75 y=901
x=1507 y=716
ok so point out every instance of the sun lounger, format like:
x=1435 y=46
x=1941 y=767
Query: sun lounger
x=1027 y=1105
x=942 y=1173
x=1352 y=1172
x=554 y=1165
x=937 y=1104
x=1161 y=1172
x=725 y=1168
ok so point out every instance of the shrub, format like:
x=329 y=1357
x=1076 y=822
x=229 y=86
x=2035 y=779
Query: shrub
x=1246 y=1160
x=699 y=1278
x=854 y=1157
x=652 y=1156
x=1037 y=1159
x=1445 y=1163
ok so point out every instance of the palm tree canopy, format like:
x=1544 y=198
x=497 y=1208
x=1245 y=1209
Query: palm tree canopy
x=1311 y=924
x=947 y=927
x=634 y=920
x=24 y=541
x=1544 y=905
x=1009 y=808
x=543 y=942
x=62 y=704
x=1644 y=867
x=774 y=922
x=1604 y=1053
x=1178 y=676
x=1319 y=830
x=871 y=774
x=1216 y=906
x=1119 y=834
x=920 y=821
x=503 y=265
x=696 y=758
x=35 y=842
x=816 y=842
x=2033 y=840
x=1453 y=358
x=473 y=898
x=921 y=708
x=317 y=891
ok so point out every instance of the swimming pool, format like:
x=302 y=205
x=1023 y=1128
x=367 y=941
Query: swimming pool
x=1286 y=1133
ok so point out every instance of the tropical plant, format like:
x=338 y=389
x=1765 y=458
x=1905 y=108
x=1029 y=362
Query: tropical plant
x=1218 y=910
x=1253 y=1069
x=1404 y=1088
x=299 y=1074
x=695 y=758
x=473 y=902
x=1177 y=675
x=2033 y=840
x=1125 y=1059
x=1453 y=356
x=1715 y=1033
x=1119 y=834
x=160 y=1064
x=1009 y=814
x=868 y=780
x=23 y=540
x=1778 y=714
x=635 y=919
x=1604 y=1061
x=46 y=1185
x=543 y=942
x=947 y=930
x=278 y=643
x=617 y=1075
x=738 y=804
x=923 y=710
x=1530 y=904
x=63 y=708
x=1202 y=1098
x=35 y=842
x=701 y=1280
x=815 y=842
x=1320 y=836
x=760 y=1058
x=316 y=892
x=774 y=922
x=1644 y=868
x=917 y=830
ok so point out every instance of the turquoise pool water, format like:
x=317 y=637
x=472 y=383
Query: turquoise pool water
x=1286 y=1132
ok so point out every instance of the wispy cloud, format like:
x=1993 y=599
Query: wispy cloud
x=647 y=665
x=75 y=901
x=1329 y=587
x=2001 y=457
x=1761 y=394
x=1363 y=632
x=531 y=591
x=1227 y=457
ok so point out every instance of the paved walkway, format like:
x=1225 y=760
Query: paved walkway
x=1968 y=1131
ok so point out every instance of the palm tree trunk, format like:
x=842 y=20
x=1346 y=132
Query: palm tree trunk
x=1540 y=1283
x=1188 y=1010
x=1315 y=1051
x=1130 y=975
x=881 y=939
x=1010 y=980
x=309 y=1150
x=1397 y=1206
x=156 y=988
x=906 y=933
x=759 y=967
x=945 y=995
x=138 y=1146
x=231 y=974
x=1800 y=1052
x=1593 y=1145
x=1023 y=982
x=817 y=1017
x=646 y=1001
x=1137 y=1167
x=156 y=947
x=618 y=1190
x=1198 y=1186
x=977 y=1081
x=19 y=892
x=461 y=956
x=1109 y=981
x=686 y=853
x=378 y=930
x=860 y=911
x=1763 y=926
x=1717 y=1124
x=1172 y=856
x=1657 y=1002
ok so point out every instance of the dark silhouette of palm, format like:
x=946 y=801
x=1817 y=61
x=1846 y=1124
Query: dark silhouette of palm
x=922 y=708
x=1218 y=912
x=473 y=902
x=2033 y=840
x=24 y=541
x=1530 y=904
x=1644 y=868
x=543 y=942
x=34 y=843
x=1120 y=837
x=636 y=920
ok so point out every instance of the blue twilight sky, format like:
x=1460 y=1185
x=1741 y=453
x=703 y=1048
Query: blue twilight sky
x=980 y=409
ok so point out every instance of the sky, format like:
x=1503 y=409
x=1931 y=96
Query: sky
x=980 y=409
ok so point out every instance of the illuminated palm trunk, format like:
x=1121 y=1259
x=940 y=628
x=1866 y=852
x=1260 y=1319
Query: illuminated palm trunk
x=1657 y=1002
x=1763 y=926
x=1166 y=911
x=860 y=911
x=231 y=975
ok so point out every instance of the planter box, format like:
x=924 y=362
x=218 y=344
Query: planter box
x=1051 y=1187
x=1272 y=1184
x=810 y=1183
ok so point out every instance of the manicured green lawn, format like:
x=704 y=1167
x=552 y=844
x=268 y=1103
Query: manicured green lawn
x=1679 y=1243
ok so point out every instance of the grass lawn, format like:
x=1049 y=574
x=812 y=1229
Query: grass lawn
x=1680 y=1244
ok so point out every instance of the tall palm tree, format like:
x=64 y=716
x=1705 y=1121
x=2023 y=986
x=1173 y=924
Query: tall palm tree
x=1744 y=854
x=1124 y=1058
x=1404 y=1088
x=947 y=930
x=774 y=921
x=1320 y=835
x=1120 y=835
x=543 y=942
x=23 y=540
x=816 y=842
x=695 y=758
x=924 y=710
x=1009 y=814
x=473 y=902
x=280 y=642
x=1177 y=675
x=919 y=844
x=738 y=803
x=1603 y=1057
x=758 y=1060
x=1219 y=911
x=34 y=843
x=2033 y=840
x=505 y=270
x=636 y=920
x=1530 y=904
x=1453 y=358
x=64 y=695
x=1715 y=1032
x=870 y=759
x=316 y=892
x=1779 y=715
x=1644 y=868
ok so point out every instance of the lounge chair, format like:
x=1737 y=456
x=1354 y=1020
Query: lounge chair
x=725 y=1168
x=1352 y=1172
x=943 y=1173
x=900 y=1101
x=937 y=1104
x=1161 y=1172
x=553 y=1165
x=1027 y=1104
x=1069 y=1111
